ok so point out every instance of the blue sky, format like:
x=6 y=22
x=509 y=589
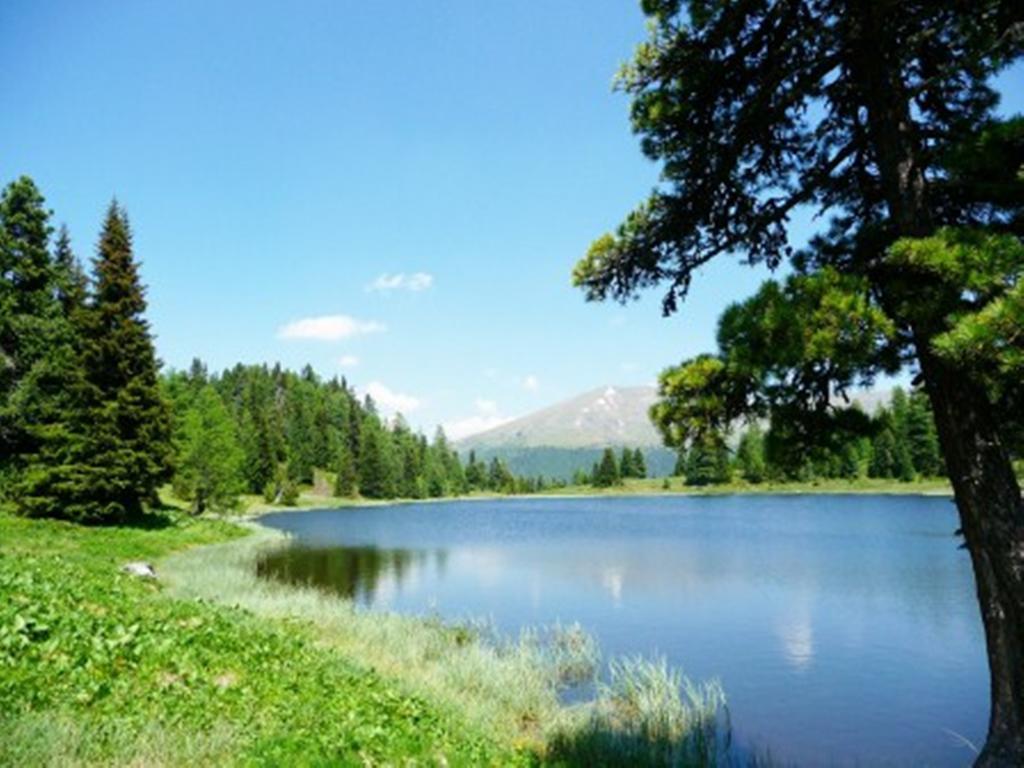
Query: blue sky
x=422 y=174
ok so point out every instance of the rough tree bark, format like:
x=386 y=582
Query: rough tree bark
x=988 y=498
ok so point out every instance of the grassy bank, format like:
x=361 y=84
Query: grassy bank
x=207 y=664
x=98 y=667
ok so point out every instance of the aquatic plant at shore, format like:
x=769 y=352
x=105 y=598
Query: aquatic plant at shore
x=510 y=686
x=649 y=714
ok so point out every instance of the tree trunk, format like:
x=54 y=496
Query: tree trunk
x=988 y=498
x=987 y=493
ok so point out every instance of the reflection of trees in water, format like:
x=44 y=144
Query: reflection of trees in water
x=352 y=572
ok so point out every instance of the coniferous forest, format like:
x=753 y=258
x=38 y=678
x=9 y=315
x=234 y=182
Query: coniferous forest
x=91 y=429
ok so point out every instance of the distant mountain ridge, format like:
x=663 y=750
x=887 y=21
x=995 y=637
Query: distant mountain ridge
x=568 y=436
x=560 y=439
x=607 y=416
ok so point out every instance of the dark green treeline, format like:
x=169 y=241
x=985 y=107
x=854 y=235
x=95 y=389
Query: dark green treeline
x=898 y=441
x=296 y=428
x=90 y=430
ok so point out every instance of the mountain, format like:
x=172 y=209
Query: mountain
x=596 y=419
x=571 y=435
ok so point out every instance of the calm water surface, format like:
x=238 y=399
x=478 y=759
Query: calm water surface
x=844 y=628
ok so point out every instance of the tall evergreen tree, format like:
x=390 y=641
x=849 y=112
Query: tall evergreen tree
x=707 y=462
x=639 y=464
x=922 y=439
x=30 y=317
x=345 y=485
x=606 y=474
x=626 y=468
x=127 y=447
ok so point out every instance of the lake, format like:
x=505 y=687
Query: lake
x=844 y=629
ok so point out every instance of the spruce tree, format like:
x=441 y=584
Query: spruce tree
x=922 y=439
x=708 y=461
x=373 y=470
x=30 y=316
x=125 y=452
x=626 y=468
x=607 y=472
x=345 y=485
x=883 y=455
x=639 y=464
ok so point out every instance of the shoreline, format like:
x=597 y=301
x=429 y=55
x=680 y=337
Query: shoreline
x=311 y=502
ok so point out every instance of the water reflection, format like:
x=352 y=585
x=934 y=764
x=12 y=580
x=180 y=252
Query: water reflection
x=367 y=574
x=844 y=629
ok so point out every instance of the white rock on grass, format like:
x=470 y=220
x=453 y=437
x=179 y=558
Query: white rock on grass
x=140 y=569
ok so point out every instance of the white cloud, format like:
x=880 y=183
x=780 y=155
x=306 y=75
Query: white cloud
x=348 y=361
x=329 y=328
x=415 y=281
x=389 y=400
x=471 y=425
x=486 y=417
x=485 y=406
x=531 y=383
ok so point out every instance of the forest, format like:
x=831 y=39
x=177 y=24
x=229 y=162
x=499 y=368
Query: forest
x=91 y=429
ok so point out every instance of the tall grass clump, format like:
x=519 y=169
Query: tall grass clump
x=648 y=714
x=509 y=687
x=505 y=686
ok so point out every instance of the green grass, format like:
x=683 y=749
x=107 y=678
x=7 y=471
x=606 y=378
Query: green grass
x=508 y=687
x=100 y=668
x=504 y=688
x=209 y=664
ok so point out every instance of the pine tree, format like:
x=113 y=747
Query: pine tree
x=708 y=461
x=922 y=439
x=606 y=473
x=30 y=316
x=210 y=459
x=345 y=483
x=639 y=464
x=127 y=448
x=883 y=455
x=373 y=469
x=72 y=282
x=626 y=468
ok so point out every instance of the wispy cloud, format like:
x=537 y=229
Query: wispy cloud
x=348 y=361
x=487 y=416
x=531 y=383
x=400 y=281
x=329 y=328
x=389 y=400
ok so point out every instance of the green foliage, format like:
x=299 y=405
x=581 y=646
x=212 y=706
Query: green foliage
x=209 y=470
x=606 y=473
x=345 y=484
x=639 y=464
x=100 y=431
x=707 y=461
x=750 y=455
x=648 y=714
x=145 y=678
